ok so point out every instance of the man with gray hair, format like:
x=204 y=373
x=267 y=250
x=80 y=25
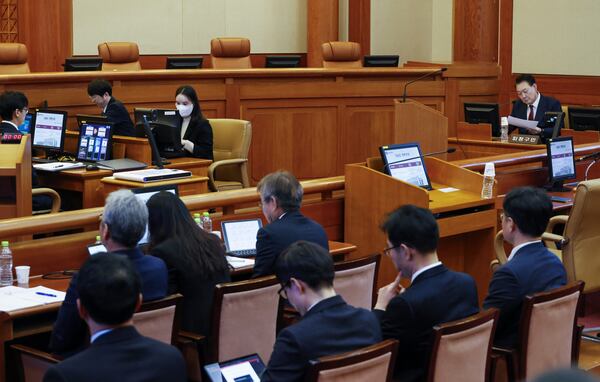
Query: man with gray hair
x=280 y=199
x=123 y=224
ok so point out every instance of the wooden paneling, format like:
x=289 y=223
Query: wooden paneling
x=359 y=24
x=323 y=20
x=476 y=30
x=505 y=55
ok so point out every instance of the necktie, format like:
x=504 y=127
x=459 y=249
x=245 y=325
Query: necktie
x=530 y=117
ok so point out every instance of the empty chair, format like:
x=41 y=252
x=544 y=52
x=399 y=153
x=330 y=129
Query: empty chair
x=244 y=319
x=356 y=281
x=230 y=53
x=119 y=56
x=341 y=54
x=463 y=348
x=52 y=194
x=374 y=363
x=13 y=58
x=231 y=143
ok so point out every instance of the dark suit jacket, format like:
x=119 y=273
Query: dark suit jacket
x=533 y=269
x=70 y=331
x=119 y=116
x=521 y=110
x=122 y=355
x=436 y=296
x=197 y=288
x=6 y=127
x=275 y=237
x=200 y=133
x=330 y=327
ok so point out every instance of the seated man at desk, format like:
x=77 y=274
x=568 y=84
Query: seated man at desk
x=109 y=290
x=281 y=197
x=123 y=225
x=532 y=105
x=100 y=92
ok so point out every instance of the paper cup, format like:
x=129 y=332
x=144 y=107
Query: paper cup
x=22 y=274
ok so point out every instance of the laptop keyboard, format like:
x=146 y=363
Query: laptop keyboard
x=244 y=253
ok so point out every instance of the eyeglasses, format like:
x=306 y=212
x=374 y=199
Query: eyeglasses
x=281 y=292
x=25 y=110
x=388 y=251
x=524 y=91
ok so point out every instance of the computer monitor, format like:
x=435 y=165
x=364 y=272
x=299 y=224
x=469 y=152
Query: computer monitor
x=144 y=194
x=184 y=62
x=479 y=112
x=381 y=60
x=25 y=127
x=167 y=117
x=405 y=162
x=83 y=118
x=83 y=64
x=156 y=158
x=49 y=130
x=291 y=61
x=95 y=141
x=584 y=118
x=561 y=162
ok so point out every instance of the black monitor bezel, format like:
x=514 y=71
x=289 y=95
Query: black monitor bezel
x=551 y=178
x=187 y=63
x=82 y=118
x=283 y=61
x=494 y=108
x=95 y=63
x=386 y=164
x=380 y=61
x=62 y=137
x=109 y=146
x=575 y=110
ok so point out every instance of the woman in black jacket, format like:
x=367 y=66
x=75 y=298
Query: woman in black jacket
x=196 y=132
x=195 y=258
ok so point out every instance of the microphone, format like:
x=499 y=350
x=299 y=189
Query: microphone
x=589 y=156
x=440 y=70
x=449 y=151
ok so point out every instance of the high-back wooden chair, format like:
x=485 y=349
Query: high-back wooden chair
x=118 y=56
x=230 y=53
x=356 y=281
x=13 y=58
x=341 y=54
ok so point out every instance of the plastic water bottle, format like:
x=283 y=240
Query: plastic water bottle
x=206 y=222
x=487 y=190
x=196 y=216
x=504 y=129
x=6 y=263
x=198 y=221
x=98 y=240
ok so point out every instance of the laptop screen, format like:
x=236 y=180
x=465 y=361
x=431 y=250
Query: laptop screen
x=144 y=194
x=243 y=369
x=405 y=162
x=240 y=235
x=95 y=141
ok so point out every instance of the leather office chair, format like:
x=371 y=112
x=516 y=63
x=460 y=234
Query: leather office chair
x=374 y=363
x=13 y=58
x=231 y=143
x=230 y=53
x=118 y=56
x=244 y=319
x=356 y=281
x=53 y=195
x=549 y=337
x=463 y=347
x=341 y=54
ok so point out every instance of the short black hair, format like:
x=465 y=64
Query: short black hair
x=413 y=226
x=530 y=208
x=11 y=101
x=308 y=262
x=525 y=78
x=99 y=87
x=108 y=287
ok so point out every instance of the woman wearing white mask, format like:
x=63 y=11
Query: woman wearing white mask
x=196 y=132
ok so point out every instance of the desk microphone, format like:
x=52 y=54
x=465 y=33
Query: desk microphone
x=440 y=70
x=449 y=151
x=589 y=156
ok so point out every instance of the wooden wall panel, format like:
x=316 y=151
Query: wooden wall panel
x=359 y=24
x=476 y=30
x=323 y=20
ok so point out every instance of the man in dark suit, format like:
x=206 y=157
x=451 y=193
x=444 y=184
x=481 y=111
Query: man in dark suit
x=436 y=294
x=328 y=325
x=109 y=290
x=531 y=268
x=100 y=92
x=123 y=224
x=281 y=197
x=532 y=105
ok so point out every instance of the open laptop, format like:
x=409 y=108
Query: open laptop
x=240 y=236
x=244 y=369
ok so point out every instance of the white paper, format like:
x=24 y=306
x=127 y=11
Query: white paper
x=9 y=303
x=448 y=189
x=58 y=166
x=524 y=123
x=14 y=298
x=32 y=294
x=234 y=372
x=238 y=262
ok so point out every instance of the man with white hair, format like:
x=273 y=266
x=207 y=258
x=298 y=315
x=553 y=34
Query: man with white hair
x=123 y=224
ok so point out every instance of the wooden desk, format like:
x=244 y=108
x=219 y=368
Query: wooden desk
x=191 y=185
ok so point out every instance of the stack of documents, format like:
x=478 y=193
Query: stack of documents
x=238 y=262
x=15 y=298
x=58 y=166
x=152 y=174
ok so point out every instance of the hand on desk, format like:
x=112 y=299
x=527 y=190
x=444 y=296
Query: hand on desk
x=187 y=145
x=388 y=292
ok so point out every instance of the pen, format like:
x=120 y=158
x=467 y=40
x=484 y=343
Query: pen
x=45 y=294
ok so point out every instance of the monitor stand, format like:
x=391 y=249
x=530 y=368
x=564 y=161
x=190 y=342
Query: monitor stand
x=557 y=187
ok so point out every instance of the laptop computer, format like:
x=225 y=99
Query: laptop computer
x=243 y=369
x=240 y=236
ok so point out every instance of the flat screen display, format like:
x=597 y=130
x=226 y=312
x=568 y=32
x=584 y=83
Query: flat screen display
x=405 y=162
x=95 y=141
x=244 y=369
x=25 y=128
x=49 y=129
x=561 y=159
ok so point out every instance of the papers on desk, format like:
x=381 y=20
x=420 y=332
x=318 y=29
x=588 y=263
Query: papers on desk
x=524 y=123
x=15 y=298
x=238 y=262
x=58 y=166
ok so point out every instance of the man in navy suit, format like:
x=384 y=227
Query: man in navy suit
x=123 y=224
x=109 y=290
x=436 y=294
x=532 y=105
x=531 y=268
x=281 y=197
x=100 y=92
x=328 y=326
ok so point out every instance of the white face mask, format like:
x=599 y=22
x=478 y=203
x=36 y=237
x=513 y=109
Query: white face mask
x=185 y=110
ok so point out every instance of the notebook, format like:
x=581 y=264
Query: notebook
x=152 y=175
x=240 y=236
